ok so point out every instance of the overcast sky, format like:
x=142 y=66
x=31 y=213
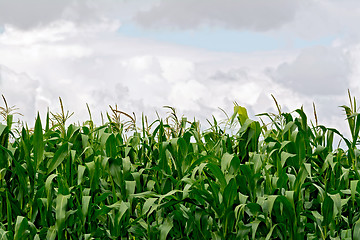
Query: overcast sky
x=195 y=55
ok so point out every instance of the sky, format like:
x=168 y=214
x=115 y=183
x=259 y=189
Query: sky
x=198 y=56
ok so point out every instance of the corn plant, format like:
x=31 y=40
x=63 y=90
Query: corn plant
x=170 y=179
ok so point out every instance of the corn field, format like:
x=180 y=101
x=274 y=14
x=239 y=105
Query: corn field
x=170 y=179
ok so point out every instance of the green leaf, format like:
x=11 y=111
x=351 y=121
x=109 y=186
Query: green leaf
x=51 y=233
x=300 y=179
x=230 y=193
x=21 y=228
x=356 y=232
x=218 y=174
x=337 y=203
x=59 y=157
x=269 y=203
x=60 y=211
x=38 y=142
x=48 y=188
x=149 y=206
x=268 y=236
x=111 y=146
x=254 y=227
x=242 y=113
x=165 y=228
x=116 y=172
x=130 y=187
x=225 y=161
x=81 y=171
x=327 y=210
x=289 y=213
x=353 y=186
x=85 y=206
x=121 y=206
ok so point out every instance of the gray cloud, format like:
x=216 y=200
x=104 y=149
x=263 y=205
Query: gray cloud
x=29 y=14
x=238 y=14
x=232 y=75
x=317 y=70
x=26 y=14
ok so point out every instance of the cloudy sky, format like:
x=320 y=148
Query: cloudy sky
x=195 y=55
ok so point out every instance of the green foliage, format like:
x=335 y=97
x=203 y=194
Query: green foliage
x=172 y=180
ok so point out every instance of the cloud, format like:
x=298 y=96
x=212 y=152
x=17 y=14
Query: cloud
x=92 y=63
x=98 y=68
x=316 y=70
x=232 y=75
x=53 y=32
x=27 y=14
x=19 y=90
x=321 y=20
x=238 y=14
x=102 y=68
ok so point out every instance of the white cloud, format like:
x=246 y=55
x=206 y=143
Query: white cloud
x=55 y=31
x=316 y=19
x=19 y=90
x=175 y=69
x=138 y=75
x=85 y=60
x=316 y=70
x=354 y=59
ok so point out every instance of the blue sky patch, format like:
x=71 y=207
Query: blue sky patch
x=219 y=39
